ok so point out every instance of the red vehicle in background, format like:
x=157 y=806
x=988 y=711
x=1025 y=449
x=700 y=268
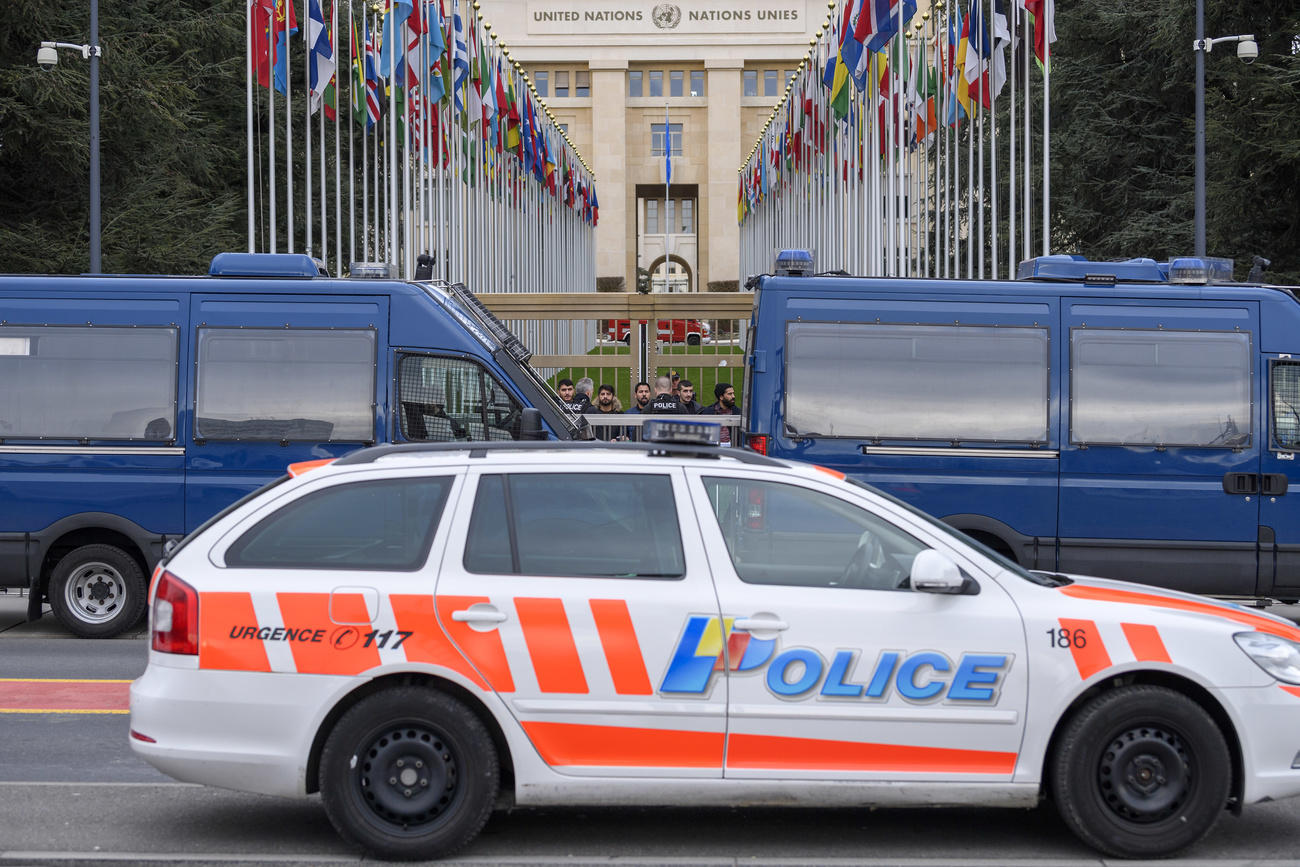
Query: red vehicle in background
x=692 y=332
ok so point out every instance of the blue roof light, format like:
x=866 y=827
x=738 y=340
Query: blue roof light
x=264 y=265
x=1077 y=269
x=794 y=263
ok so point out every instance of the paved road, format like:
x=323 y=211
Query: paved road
x=71 y=793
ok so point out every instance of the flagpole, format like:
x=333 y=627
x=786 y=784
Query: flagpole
x=249 y=14
x=288 y=132
x=1048 y=12
x=306 y=77
x=338 y=181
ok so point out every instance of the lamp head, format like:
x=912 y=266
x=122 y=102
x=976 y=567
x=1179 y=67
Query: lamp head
x=1247 y=49
x=47 y=57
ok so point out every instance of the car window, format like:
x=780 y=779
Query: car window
x=613 y=525
x=786 y=534
x=382 y=525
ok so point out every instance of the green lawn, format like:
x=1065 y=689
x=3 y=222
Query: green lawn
x=704 y=376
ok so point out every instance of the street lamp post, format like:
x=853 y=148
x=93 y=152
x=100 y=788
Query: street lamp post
x=1247 y=51
x=48 y=57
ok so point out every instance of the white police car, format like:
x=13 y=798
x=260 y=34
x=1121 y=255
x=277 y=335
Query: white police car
x=408 y=629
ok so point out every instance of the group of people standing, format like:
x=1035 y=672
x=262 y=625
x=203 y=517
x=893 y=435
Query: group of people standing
x=671 y=396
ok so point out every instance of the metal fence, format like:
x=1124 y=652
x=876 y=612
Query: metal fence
x=620 y=339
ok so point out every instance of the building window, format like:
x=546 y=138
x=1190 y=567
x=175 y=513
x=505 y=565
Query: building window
x=561 y=85
x=769 y=81
x=542 y=81
x=751 y=83
x=656 y=82
x=697 y=82
x=676 y=79
x=789 y=77
x=657 y=139
x=634 y=82
x=652 y=216
x=564 y=128
x=582 y=84
x=688 y=216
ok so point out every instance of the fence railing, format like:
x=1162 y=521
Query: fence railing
x=620 y=341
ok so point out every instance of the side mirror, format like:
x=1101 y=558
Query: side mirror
x=530 y=424
x=934 y=572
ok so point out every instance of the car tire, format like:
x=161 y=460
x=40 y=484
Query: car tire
x=409 y=774
x=1141 y=772
x=692 y=340
x=626 y=339
x=97 y=591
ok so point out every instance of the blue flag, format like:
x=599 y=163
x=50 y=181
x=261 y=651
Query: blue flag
x=668 y=149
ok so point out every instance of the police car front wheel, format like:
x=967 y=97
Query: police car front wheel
x=1141 y=772
x=409 y=774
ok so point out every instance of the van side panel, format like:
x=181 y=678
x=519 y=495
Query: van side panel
x=938 y=445
x=276 y=379
x=1163 y=420
x=89 y=423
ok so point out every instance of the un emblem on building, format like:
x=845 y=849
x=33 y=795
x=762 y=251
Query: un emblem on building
x=666 y=16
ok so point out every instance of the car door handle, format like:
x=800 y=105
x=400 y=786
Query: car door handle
x=479 y=613
x=760 y=624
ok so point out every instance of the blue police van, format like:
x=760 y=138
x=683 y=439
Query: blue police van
x=1133 y=419
x=134 y=408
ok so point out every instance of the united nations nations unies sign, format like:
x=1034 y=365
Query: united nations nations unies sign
x=650 y=17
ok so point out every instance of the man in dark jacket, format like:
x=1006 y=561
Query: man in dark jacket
x=665 y=402
x=686 y=394
x=724 y=405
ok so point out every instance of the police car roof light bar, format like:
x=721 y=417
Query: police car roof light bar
x=666 y=431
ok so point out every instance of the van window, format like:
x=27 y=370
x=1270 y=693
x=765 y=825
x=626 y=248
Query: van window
x=788 y=535
x=286 y=384
x=366 y=526
x=446 y=399
x=1178 y=388
x=1286 y=405
x=88 y=382
x=612 y=525
x=921 y=382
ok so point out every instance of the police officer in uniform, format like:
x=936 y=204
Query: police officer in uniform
x=665 y=402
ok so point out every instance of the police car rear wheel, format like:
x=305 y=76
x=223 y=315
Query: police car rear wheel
x=97 y=591
x=409 y=774
x=1141 y=772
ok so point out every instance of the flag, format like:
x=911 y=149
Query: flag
x=962 y=88
x=850 y=47
x=979 y=52
x=414 y=29
x=501 y=124
x=840 y=83
x=878 y=22
x=390 y=52
x=359 y=114
x=595 y=206
x=1044 y=14
x=286 y=24
x=1001 y=38
x=320 y=63
x=460 y=66
x=373 y=109
x=263 y=13
x=668 y=149
x=473 y=91
x=514 y=142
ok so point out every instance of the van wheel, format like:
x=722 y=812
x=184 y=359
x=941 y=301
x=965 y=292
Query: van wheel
x=626 y=339
x=1141 y=772
x=97 y=591
x=692 y=340
x=409 y=774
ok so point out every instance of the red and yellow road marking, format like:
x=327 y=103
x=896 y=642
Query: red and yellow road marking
x=64 y=695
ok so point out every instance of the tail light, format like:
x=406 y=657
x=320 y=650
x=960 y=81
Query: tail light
x=175 y=620
x=758 y=442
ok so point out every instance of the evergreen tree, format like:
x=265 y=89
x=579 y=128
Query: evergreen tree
x=1123 y=133
x=172 y=136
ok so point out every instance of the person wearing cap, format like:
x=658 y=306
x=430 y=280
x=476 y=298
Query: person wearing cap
x=725 y=404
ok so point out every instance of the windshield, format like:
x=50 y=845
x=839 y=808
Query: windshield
x=509 y=352
x=1042 y=579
